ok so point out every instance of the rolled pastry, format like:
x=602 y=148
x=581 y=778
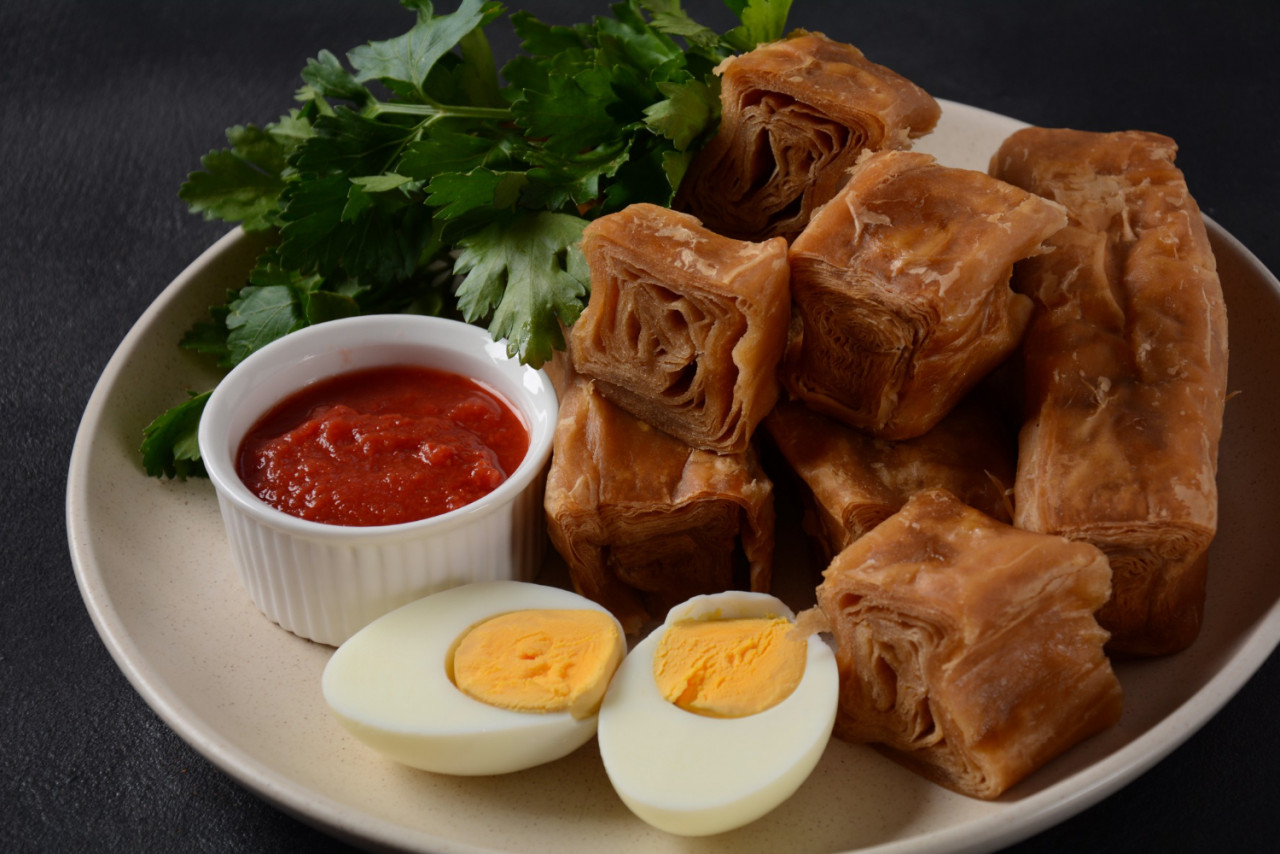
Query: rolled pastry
x=967 y=648
x=901 y=295
x=642 y=520
x=1126 y=369
x=853 y=482
x=795 y=115
x=684 y=328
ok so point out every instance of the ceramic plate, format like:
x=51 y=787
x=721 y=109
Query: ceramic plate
x=156 y=574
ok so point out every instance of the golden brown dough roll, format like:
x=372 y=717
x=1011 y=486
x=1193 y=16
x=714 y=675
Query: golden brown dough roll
x=643 y=520
x=966 y=647
x=853 y=482
x=795 y=115
x=684 y=328
x=900 y=285
x=1126 y=370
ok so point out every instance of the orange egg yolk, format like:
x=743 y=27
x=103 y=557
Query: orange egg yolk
x=540 y=660
x=729 y=668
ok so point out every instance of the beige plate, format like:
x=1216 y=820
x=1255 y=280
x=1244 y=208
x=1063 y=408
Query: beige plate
x=156 y=575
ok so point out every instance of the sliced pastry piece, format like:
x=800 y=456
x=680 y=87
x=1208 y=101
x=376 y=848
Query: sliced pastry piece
x=901 y=291
x=853 y=482
x=968 y=649
x=795 y=115
x=1125 y=366
x=684 y=328
x=644 y=521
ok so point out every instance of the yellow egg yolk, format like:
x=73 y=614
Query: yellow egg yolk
x=540 y=660
x=729 y=668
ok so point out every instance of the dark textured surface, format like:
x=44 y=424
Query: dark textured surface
x=104 y=107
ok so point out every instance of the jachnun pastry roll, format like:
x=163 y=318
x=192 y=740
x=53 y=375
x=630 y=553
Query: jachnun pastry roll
x=853 y=482
x=644 y=521
x=968 y=649
x=684 y=328
x=901 y=293
x=1125 y=365
x=795 y=115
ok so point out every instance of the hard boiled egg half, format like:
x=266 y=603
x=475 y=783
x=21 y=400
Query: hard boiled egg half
x=719 y=715
x=710 y=722
x=485 y=678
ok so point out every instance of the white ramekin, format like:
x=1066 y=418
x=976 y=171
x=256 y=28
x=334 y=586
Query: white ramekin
x=326 y=582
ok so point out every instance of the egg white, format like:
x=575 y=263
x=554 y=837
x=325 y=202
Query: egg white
x=388 y=685
x=693 y=775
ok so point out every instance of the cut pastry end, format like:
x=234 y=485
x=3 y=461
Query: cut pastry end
x=968 y=648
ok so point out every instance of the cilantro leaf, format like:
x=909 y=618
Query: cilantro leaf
x=526 y=274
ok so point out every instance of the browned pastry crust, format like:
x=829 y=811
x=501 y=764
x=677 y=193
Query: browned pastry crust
x=795 y=115
x=968 y=648
x=684 y=328
x=853 y=481
x=900 y=291
x=642 y=520
x=1126 y=369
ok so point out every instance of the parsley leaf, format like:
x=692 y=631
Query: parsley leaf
x=403 y=63
x=762 y=21
x=529 y=274
x=447 y=150
x=689 y=110
x=571 y=112
x=258 y=316
x=456 y=194
x=326 y=78
x=241 y=183
x=452 y=186
x=169 y=443
x=670 y=18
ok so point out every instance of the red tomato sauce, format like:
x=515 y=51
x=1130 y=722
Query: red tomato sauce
x=382 y=446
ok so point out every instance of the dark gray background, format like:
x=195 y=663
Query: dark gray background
x=104 y=108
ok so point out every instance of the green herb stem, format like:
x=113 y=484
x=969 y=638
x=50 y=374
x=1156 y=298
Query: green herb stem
x=434 y=112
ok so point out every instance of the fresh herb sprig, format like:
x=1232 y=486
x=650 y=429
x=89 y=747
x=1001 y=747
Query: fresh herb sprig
x=413 y=178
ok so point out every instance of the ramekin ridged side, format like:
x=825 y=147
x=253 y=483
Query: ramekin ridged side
x=327 y=591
